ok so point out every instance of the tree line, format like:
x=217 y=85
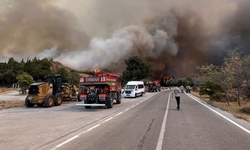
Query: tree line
x=231 y=79
x=37 y=68
x=32 y=70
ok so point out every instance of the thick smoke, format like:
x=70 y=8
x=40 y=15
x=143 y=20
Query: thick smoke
x=28 y=27
x=175 y=35
x=129 y=41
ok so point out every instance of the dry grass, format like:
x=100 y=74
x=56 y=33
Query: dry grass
x=11 y=104
x=4 y=91
x=242 y=111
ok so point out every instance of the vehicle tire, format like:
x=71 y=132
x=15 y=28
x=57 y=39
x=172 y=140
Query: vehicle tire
x=87 y=107
x=110 y=101
x=119 y=96
x=79 y=97
x=49 y=101
x=27 y=103
x=58 y=99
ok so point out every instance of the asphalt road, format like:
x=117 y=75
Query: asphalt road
x=144 y=123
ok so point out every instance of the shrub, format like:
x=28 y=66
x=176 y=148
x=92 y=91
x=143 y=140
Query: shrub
x=210 y=88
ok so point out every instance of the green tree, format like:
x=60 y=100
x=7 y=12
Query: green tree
x=211 y=75
x=210 y=88
x=237 y=69
x=246 y=82
x=137 y=69
x=171 y=82
x=74 y=77
x=8 y=78
x=12 y=63
x=64 y=73
x=24 y=80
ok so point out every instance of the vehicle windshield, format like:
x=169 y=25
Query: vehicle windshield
x=130 y=87
x=33 y=90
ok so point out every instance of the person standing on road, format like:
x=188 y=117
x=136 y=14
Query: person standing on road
x=176 y=92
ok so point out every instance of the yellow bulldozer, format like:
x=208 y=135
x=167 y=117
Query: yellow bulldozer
x=45 y=94
x=69 y=92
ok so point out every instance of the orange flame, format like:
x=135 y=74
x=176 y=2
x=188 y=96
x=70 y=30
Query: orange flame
x=97 y=70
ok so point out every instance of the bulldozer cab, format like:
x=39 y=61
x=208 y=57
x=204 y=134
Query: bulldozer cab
x=56 y=82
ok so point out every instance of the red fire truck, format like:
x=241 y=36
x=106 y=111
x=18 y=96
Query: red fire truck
x=154 y=86
x=100 y=90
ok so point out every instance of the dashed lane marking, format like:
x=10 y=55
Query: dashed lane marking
x=109 y=119
x=67 y=141
x=93 y=127
x=127 y=109
x=119 y=114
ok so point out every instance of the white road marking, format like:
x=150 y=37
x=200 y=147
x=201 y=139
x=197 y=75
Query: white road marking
x=68 y=141
x=236 y=124
x=93 y=127
x=109 y=119
x=118 y=114
x=163 y=127
x=127 y=109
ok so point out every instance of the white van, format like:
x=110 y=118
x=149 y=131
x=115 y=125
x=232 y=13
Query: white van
x=134 y=89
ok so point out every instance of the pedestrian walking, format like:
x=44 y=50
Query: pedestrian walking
x=182 y=89
x=187 y=89
x=176 y=92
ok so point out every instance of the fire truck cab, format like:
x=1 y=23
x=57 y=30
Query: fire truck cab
x=100 y=90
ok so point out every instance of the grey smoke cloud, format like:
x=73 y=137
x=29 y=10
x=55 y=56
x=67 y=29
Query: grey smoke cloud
x=28 y=27
x=101 y=53
x=176 y=35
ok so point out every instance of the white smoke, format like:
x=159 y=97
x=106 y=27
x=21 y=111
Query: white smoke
x=101 y=53
x=48 y=53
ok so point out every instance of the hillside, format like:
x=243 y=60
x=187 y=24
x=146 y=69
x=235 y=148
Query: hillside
x=55 y=66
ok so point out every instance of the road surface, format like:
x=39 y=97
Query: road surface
x=150 y=122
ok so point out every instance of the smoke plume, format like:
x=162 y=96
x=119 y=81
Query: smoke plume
x=175 y=35
x=28 y=27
